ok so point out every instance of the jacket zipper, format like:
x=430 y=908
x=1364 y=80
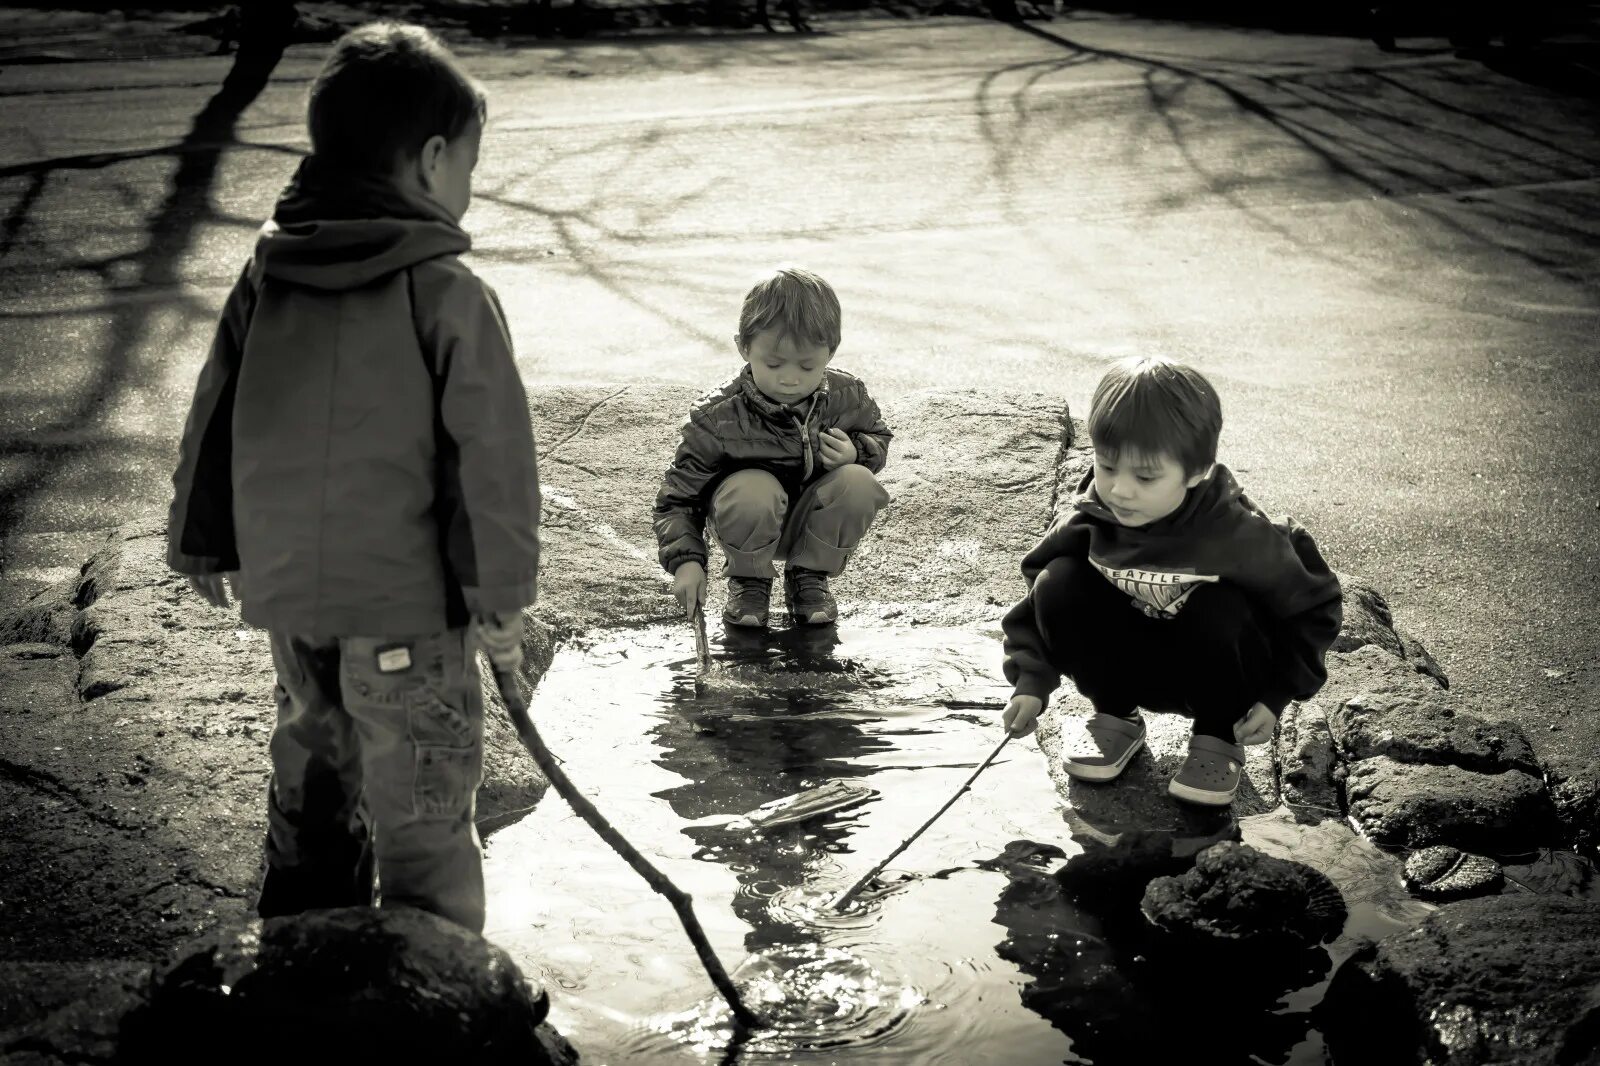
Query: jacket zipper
x=805 y=434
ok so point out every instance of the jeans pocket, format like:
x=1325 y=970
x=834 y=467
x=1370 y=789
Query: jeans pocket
x=435 y=718
x=446 y=779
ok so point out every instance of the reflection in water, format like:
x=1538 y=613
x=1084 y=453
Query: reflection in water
x=751 y=746
x=1002 y=934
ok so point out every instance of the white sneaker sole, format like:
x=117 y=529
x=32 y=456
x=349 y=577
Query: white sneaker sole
x=1203 y=796
x=1100 y=772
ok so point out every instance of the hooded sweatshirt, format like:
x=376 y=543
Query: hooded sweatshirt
x=359 y=449
x=1216 y=534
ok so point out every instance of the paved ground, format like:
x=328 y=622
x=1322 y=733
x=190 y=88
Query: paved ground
x=1386 y=262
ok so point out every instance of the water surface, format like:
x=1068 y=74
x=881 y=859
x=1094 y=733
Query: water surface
x=966 y=952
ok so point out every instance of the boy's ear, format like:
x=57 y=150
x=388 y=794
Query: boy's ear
x=742 y=348
x=433 y=150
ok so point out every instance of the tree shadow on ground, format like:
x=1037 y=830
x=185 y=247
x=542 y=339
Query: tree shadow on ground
x=1359 y=134
x=36 y=454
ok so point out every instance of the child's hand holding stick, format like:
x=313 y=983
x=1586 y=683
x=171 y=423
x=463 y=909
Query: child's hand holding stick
x=1022 y=715
x=500 y=637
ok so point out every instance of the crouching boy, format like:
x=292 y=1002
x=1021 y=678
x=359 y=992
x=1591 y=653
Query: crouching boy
x=1166 y=588
x=781 y=460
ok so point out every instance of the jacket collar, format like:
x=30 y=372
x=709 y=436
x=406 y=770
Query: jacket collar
x=801 y=409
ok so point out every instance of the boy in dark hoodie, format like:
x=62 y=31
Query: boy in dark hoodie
x=781 y=459
x=1166 y=588
x=358 y=458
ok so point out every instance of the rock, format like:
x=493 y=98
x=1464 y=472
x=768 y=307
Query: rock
x=46 y=618
x=1306 y=763
x=52 y=1014
x=355 y=984
x=1237 y=897
x=1139 y=797
x=33 y=651
x=1575 y=790
x=1512 y=979
x=1418 y=659
x=1370 y=669
x=1443 y=872
x=1431 y=730
x=1413 y=805
x=1367 y=620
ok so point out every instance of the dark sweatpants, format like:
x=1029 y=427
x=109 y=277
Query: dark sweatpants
x=1211 y=661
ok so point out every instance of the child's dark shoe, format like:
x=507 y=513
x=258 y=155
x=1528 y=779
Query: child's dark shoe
x=749 y=599
x=1211 y=773
x=810 y=602
x=1102 y=748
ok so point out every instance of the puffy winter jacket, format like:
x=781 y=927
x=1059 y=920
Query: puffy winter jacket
x=736 y=427
x=359 y=448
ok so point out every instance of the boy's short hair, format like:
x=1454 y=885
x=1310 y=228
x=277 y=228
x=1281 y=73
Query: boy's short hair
x=1157 y=407
x=795 y=301
x=387 y=88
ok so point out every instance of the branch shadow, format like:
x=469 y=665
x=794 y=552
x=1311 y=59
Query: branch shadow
x=1347 y=124
x=33 y=457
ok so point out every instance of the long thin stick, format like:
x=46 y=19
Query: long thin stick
x=838 y=902
x=702 y=649
x=681 y=901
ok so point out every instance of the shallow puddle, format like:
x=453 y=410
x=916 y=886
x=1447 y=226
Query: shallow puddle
x=966 y=950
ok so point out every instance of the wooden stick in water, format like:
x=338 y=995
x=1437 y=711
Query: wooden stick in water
x=702 y=648
x=838 y=902
x=681 y=901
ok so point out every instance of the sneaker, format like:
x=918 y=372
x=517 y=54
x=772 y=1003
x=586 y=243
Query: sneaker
x=1210 y=774
x=810 y=602
x=749 y=599
x=1103 y=747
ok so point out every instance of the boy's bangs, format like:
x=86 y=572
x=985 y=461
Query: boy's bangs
x=1154 y=407
x=1139 y=432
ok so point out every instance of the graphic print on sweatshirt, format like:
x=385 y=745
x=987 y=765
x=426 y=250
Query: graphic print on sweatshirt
x=1158 y=593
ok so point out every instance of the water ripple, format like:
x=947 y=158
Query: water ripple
x=810 y=997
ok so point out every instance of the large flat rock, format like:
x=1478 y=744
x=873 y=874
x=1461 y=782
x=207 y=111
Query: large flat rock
x=1509 y=980
x=971 y=473
x=1414 y=805
x=1430 y=730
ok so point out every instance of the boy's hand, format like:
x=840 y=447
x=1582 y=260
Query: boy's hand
x=837 y=449
x=500 y=636
x=1022 y=715
x=213 y=588
x=1255 y=727
x=689 y=585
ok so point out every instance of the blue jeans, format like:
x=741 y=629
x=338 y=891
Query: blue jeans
x=377 y=757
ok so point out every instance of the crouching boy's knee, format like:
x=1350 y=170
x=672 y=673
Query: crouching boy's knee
x=853 y=488
x=749 y=496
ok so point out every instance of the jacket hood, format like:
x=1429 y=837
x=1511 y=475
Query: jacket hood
x=1213 y=496
x=337 y=230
